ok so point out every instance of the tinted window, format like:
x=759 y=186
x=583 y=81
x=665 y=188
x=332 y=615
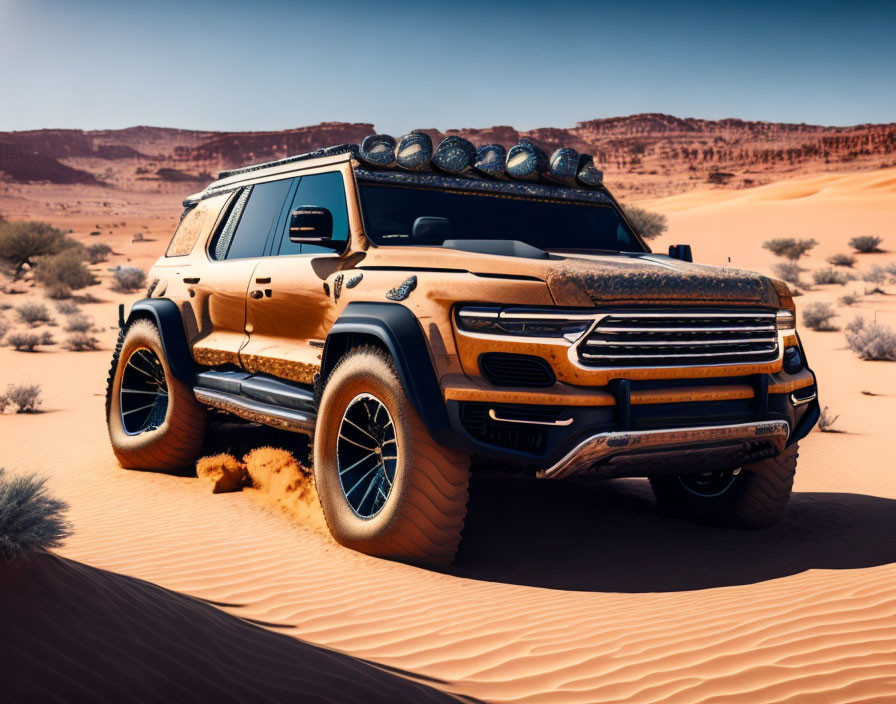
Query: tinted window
x=322 y=190
x=390 y=211
x=258 y=215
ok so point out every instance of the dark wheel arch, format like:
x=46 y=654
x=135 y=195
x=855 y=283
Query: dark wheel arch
x=166 y=316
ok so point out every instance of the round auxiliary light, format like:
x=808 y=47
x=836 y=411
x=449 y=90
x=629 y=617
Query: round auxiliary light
x=414 y=151
x=527 y=162
x=564 y=166
x=589 y=174
x=793 y=360
x=454 y=155
x=490 y=160
x=378 y=150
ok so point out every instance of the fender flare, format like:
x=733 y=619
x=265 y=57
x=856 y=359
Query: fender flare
x=165 y=314
x=396 y=327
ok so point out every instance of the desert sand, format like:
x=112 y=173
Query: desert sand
x=561 y=593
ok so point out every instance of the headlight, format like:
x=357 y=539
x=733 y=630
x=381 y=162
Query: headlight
x=524 y=322
x=785 y=320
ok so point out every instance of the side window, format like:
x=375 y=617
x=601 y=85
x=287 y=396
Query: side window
x=187 y=232
x=324 y=190
x=254 y=213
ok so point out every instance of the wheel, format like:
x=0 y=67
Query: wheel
x=385 y=486
x=154 y=420
x=753 y=497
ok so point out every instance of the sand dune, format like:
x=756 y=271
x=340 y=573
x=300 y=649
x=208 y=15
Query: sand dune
x=561 y=593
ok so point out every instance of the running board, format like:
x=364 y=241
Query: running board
x=259 y=398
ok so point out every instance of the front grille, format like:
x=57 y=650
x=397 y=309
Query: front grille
x=504 y=369
x=681 y=338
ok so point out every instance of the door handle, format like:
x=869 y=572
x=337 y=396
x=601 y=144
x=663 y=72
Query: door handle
x=191 y=279
x=262 y=279
x=256 y=294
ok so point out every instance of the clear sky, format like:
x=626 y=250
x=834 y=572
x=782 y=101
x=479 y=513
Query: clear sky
x=275 y=64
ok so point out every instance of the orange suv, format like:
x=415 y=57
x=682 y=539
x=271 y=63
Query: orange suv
x=416 y=308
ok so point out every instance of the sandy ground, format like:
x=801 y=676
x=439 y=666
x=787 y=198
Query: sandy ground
x=560 y=593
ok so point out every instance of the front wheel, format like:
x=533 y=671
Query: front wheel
x=753 y=497
x=385 y=486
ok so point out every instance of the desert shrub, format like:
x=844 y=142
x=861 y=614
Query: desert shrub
x=30 y=519
x=79 y=323
x=24 y=397
x=826 y=420
x=67 y=308
x=789 y=247
x=98 y=252
x=4 y=328
x=23 y=341
x=866 y=243
x=830 y=276
x=848 y=299
x=877 y=274
x=33 y=313
x=81 y=342
x=22 y=241
x=787 y=271
x=128 y=278
x=63 y=273
x=648 y=224
x=46 y=338
x=818 y=316
x=871 y=340
x=842 y=260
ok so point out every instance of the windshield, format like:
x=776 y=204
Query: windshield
x=390 y=211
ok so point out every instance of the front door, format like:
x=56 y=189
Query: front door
x=288 y=310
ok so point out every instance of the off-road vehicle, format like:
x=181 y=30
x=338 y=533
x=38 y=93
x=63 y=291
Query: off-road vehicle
x=419 y=311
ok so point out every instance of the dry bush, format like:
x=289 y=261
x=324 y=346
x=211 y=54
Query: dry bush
x=67 y=308
x=818 y=316
x=24 y=397
x=4 y=328
x=30 y=519
x=22 y=241
x=128 y=278
x=826 y=420
x=842 y=260
x=787 y=271
x=34 y=313
x=46 y=338
x=647 y=224
x=24 y=341
x=879 y=274
x=871 y=340
x=63 y=273
x=866 y=243
x=848 y=299
x=81 y=342
x=98 y=252
x=830 y=276
x=224 y=472
x=79 y=323
x=789 y=247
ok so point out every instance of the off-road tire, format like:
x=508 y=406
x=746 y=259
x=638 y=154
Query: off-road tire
x=423 y=515
x=755 y=499
x=176 y=443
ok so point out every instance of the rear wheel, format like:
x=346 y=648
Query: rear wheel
x=753 y=497
x=154 y=419
x=385 y=486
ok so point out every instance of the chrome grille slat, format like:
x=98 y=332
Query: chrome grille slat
x=630 y=339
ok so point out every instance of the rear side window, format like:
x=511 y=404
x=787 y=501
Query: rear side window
x=187 y=232
x=246 y=230
x=323 y=190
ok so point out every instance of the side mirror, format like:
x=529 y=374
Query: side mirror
x=431 y=228
x=311 y=224
x=681 y=251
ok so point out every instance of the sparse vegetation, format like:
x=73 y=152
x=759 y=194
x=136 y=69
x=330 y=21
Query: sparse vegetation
x=4 y=328
x=79 y=323
x=46 y=338
x=842 y=260
x=818 y=316
x=848 y=299
x=67 y=308
x=128 y=278
x=787 y=271
x=30 y=519
x=25 y=398
x=24 y=341
x=826 y=420
x=98 y=252
x=877 y=274
x=81 y=342
x=22 y=241
x=871 y=340
x=34 y=313
x=830 y=276
x=866 y=243
x=789 y=247
x=648 y=224
x=63 y=273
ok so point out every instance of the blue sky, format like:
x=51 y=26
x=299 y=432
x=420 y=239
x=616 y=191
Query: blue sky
x=272 y=64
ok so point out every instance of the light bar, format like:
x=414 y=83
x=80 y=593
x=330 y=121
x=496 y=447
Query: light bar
x=490 y=160
x=524 y=322
x=527 y=162
x=414 y=151
x=378 y=150
x=454 y=155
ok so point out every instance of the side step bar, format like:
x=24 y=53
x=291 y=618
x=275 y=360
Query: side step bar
x=259 y=398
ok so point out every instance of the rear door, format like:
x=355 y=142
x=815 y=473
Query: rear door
x=220 y=288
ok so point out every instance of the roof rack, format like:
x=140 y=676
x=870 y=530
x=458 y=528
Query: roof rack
x=316 y=154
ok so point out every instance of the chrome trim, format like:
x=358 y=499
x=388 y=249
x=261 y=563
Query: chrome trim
x=674 y=356
x=494 y=416
x=634 y=442
x=764 y=328
x=796 y=401
x=674 y=343
x=286 y=418
x=691 y=314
